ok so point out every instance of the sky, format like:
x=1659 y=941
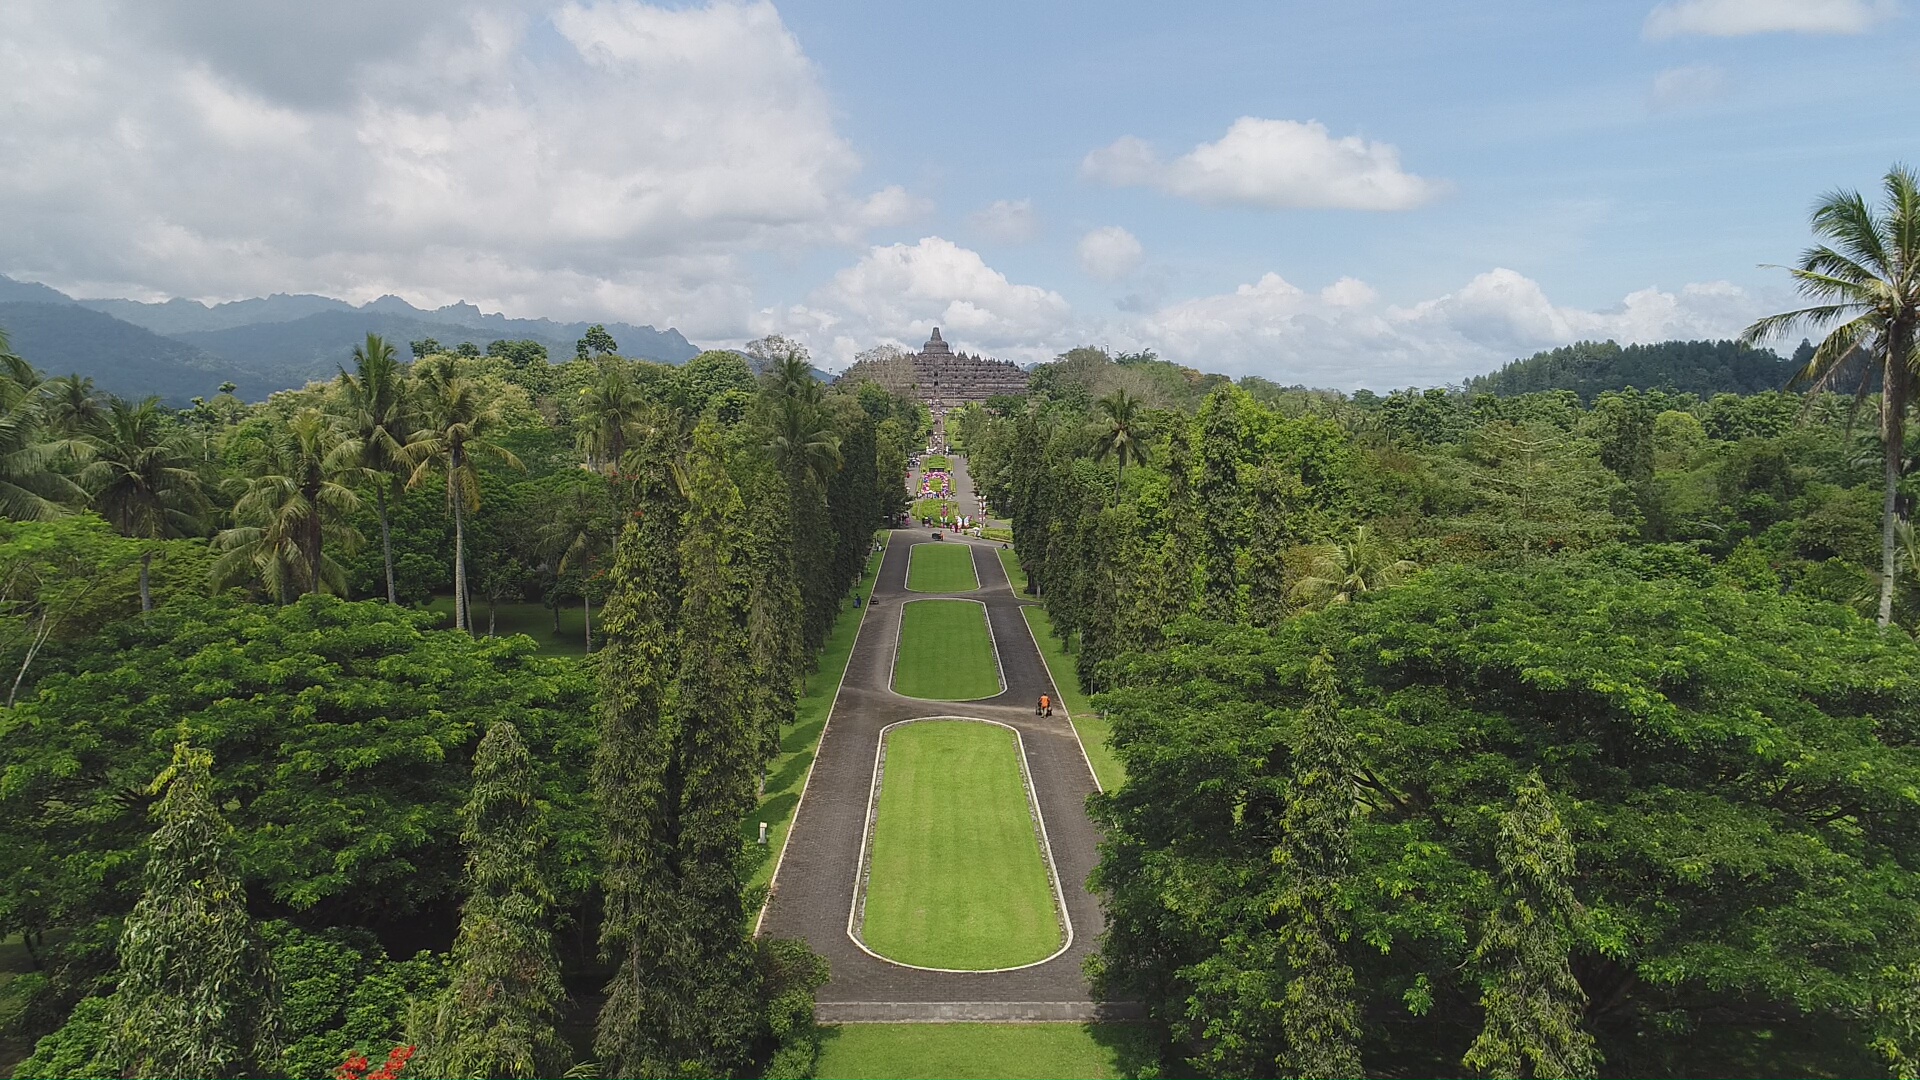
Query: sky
x=1341 y=195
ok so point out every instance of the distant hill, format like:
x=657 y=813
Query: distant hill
x=182 y=348
x=123 y=359
x=1590 y=368
x=179 y=316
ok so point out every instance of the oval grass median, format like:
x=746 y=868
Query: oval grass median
x=945 y=652
x=941 y=568
x=956 y=876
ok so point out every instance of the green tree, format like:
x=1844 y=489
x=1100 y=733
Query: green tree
x=144 y=481
x=34 y=485
x=1865 y=277
x=73 y=408
x=678 y=764
x=197 y=994
x=1317 y=1009
x=457 y=420
x=293 y=502
x=610 y=411
x=1533 y=1003
x=1337 y=573
x=376 y=418
x=595 y=344
x=496 y=1017
x=1124 y=433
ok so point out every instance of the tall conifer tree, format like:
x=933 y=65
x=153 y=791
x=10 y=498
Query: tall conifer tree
x=1317 y=1010
x=676 y=773
x=197 y=994
x=1533 y=1003
x=634 y=769
x=496 y=1017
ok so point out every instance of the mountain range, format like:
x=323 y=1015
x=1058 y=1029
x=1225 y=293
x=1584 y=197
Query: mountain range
x=181 y=349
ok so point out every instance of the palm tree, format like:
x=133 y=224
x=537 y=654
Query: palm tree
x=143 y=480
x=456 y=420
x=1124 y=435
x=73 y=407
x=1338 y=573
x=33 y=483
x=294 y=502
x=1865 y=277
x=799 y=435
x=579 y=532
x=375 y=419
x=611 y=410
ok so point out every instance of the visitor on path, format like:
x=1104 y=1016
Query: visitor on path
x=1046 y=706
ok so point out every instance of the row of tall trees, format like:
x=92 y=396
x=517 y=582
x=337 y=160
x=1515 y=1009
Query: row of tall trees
x=328 y=747
x=1445 y=717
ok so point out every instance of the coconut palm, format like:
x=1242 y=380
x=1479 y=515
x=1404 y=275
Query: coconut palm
x=143 y=479
x=295 y=502
x=799 y=435
x=376 y=423
x=455 y=420
x=611 y=411
x=1338 y=573
x=1125 y=432
x=73 y=408
x=1865 y=279
x=34 y=485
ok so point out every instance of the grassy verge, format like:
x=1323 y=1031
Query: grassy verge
x=1093 y=727
x=961 y=1051
x=946 y=652
x=1016 y=573
x=957 y=879
x=941 y=568
x=787 y=775
x=533 y=620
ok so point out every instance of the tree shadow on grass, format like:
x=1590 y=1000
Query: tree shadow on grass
x=1136 y=1048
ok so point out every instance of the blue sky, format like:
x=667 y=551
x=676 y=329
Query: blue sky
x=1353 y=194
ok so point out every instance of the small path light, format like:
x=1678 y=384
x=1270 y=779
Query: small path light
x=763 y=834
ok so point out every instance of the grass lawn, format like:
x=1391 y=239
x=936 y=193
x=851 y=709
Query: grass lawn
x=788 y=773
x=533 y=620
x=957 y=878
x=1093 y=728
x=964 y=1051
x=946 y=652
x=941 y=568
x=1016 y=573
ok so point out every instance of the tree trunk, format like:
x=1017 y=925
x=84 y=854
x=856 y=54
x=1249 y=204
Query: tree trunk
x=1893 y=434
x=146 y=591
x=386 y=538
x=587 y=608
x=460 y=620
x=493 y=608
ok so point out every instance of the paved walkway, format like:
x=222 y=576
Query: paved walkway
x=813 y=889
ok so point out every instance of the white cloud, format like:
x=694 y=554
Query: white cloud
x=1110 y=253
x=1274 y=164
x=1681 y=87
x=584 y=161
x=1737 y=18
x=1343 y=336
x=1008 y=221
x=899 y=292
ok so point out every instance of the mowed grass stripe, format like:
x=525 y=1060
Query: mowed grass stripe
x=998 y=1051
x=946 y=652
x=941 y=568
x=957 y=878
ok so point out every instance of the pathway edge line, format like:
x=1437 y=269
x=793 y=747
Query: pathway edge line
x=1055 y=679
x=1033 y=807
x=806 y=785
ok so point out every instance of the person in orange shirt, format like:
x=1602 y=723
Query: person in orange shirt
x=1046 y=706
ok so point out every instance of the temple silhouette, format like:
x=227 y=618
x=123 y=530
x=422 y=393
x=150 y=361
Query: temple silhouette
x=942 y=378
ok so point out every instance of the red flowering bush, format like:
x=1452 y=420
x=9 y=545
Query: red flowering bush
x=355 y=1067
